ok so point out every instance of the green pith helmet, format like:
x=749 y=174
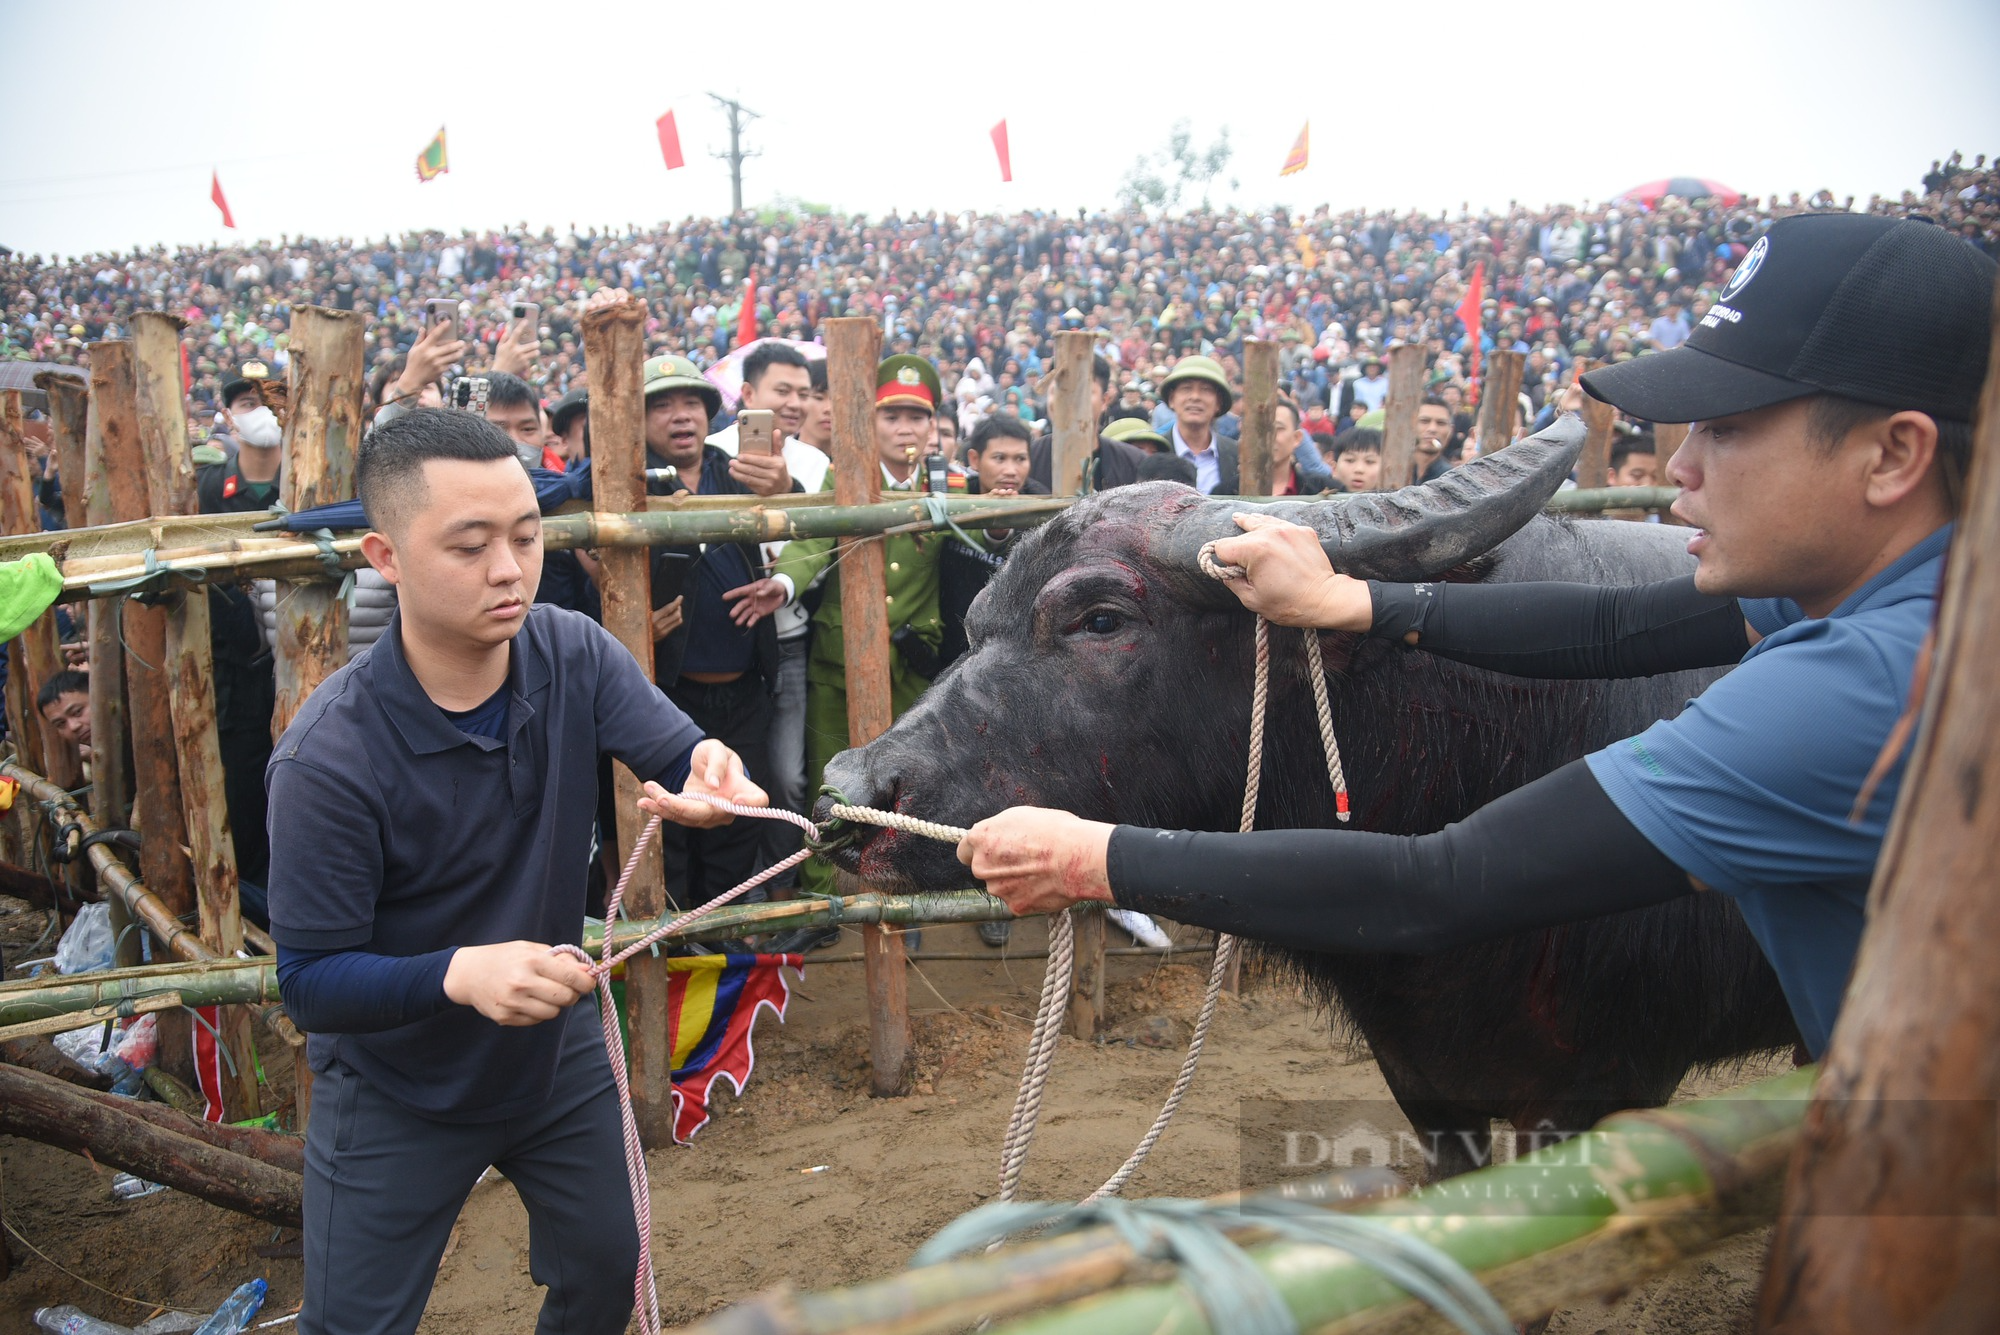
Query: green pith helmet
x=1137 y=431
x=671 y=372
x=907 y=380
x=1198 y=368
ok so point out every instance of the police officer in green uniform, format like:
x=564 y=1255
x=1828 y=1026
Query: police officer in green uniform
x=906 y=400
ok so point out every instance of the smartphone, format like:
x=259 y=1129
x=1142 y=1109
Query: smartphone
x=670 y=572
x=530 y=312
x=753 y=431
x=443 y=310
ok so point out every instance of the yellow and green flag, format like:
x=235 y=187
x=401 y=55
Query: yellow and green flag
x=432 y=162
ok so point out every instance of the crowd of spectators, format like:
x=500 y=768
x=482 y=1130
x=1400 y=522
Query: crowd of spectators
x=982 y=296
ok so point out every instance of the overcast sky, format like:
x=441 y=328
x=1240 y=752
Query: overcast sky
x=314 y=115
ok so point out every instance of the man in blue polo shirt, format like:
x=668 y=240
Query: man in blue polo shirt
x=1831 y=392
x=431 y=812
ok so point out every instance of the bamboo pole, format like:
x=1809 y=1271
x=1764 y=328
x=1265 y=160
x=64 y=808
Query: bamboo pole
x=1591 y=1216
x=322 y=435
x=205 y=981
x=119 y=551
x=614 y=349
x=36 y=655
x=1255 y=466
x=853 y=345
x=1399 y=417
x=189 y=669
x=1072 y=411
x=1892 y=1214
x=1499 y=402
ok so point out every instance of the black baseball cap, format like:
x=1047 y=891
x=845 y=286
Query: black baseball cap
x=1890 y=311
x=566 y=407
x=250 y=375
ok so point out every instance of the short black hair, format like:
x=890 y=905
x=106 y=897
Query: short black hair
x=1626 y=446
x=1167 y=468
x=1433 y=401
x=768 y=354
x=63 y=683
x=1357 y=438
x=507 y=391
x=817 y=370
x=1830 y=418
x=389 y=475
x=1293 y=408
x=1100 y=369
x=997 y=424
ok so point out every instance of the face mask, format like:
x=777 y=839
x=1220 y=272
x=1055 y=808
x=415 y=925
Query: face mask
x=259 y=427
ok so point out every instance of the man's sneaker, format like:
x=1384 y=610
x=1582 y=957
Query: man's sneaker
x=802 y=939
x=1142 y=928
x=995 y=934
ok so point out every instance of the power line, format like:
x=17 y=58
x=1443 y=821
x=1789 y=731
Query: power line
x=739 y=116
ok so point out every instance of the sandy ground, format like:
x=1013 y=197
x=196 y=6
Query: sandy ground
x=735 y=1212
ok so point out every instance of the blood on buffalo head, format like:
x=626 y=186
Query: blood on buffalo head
x=1108 y=676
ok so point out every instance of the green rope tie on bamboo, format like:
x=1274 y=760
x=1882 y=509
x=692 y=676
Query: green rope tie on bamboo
x=939 y=514
x=1237 y=1296
x=330 y=560
x=150 y=583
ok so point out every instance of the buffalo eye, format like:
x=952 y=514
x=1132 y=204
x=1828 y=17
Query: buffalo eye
x=1100 y=622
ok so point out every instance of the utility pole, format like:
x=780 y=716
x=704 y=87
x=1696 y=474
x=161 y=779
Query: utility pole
x=739 y=116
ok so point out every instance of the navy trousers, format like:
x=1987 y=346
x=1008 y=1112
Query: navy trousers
x=383 y=1187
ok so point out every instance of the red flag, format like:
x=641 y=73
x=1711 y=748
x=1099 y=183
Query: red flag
x=1469 y=313
x=1000 y=147
x=746 y=318
x=670 y=141
x=215 y=193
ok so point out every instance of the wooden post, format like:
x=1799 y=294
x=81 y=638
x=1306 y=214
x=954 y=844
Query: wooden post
x=322 y=436
x=1889 y=1220
x=1594 y=465
x=1072 y=413
x=1086 y=992
x=69 y=407
x=189 y=668
x=614 y=349
x=1399 y=424
x=37 y=654
x=1255 y=466
x=1500 y=404
x=853 y=348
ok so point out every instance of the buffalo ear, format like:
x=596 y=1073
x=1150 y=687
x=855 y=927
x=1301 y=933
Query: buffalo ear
x=1419 y=532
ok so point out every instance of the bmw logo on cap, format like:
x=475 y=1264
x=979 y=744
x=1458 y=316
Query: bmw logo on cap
x=1748 y=269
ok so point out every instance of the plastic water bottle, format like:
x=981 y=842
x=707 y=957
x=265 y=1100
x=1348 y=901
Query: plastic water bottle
x=68 y=1320
x=236 y=1310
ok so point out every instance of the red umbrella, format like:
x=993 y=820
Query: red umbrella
x=1682 y=187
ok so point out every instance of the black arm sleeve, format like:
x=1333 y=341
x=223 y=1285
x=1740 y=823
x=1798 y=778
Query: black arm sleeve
x=1565 y=630
x=1350 y=891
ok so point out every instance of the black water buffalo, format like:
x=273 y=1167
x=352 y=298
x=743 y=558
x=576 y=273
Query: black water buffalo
x=1107 y=676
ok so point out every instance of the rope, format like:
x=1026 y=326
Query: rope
x=1235 y=1293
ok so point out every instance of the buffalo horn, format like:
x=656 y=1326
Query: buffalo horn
x=1419 y=532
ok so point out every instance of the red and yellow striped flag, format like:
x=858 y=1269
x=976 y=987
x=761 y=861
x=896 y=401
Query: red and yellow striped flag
x=432 y=162
x=1295 y=161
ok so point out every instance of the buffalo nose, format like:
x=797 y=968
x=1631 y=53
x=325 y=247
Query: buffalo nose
x=854 y=780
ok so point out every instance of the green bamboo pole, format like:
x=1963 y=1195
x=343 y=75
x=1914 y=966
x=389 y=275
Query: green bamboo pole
x=228 y=981
x=1592 y=1215
x=201 y=548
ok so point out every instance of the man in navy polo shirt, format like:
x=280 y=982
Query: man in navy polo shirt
x=1831 y=392
x=431 y=813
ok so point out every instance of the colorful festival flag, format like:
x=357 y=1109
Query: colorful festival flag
x=1295 y=161
x=1000 y=147
x=1469 y=314
x=670 y=141
x=432 y=162
x=215 y=194
x=712 y=1006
